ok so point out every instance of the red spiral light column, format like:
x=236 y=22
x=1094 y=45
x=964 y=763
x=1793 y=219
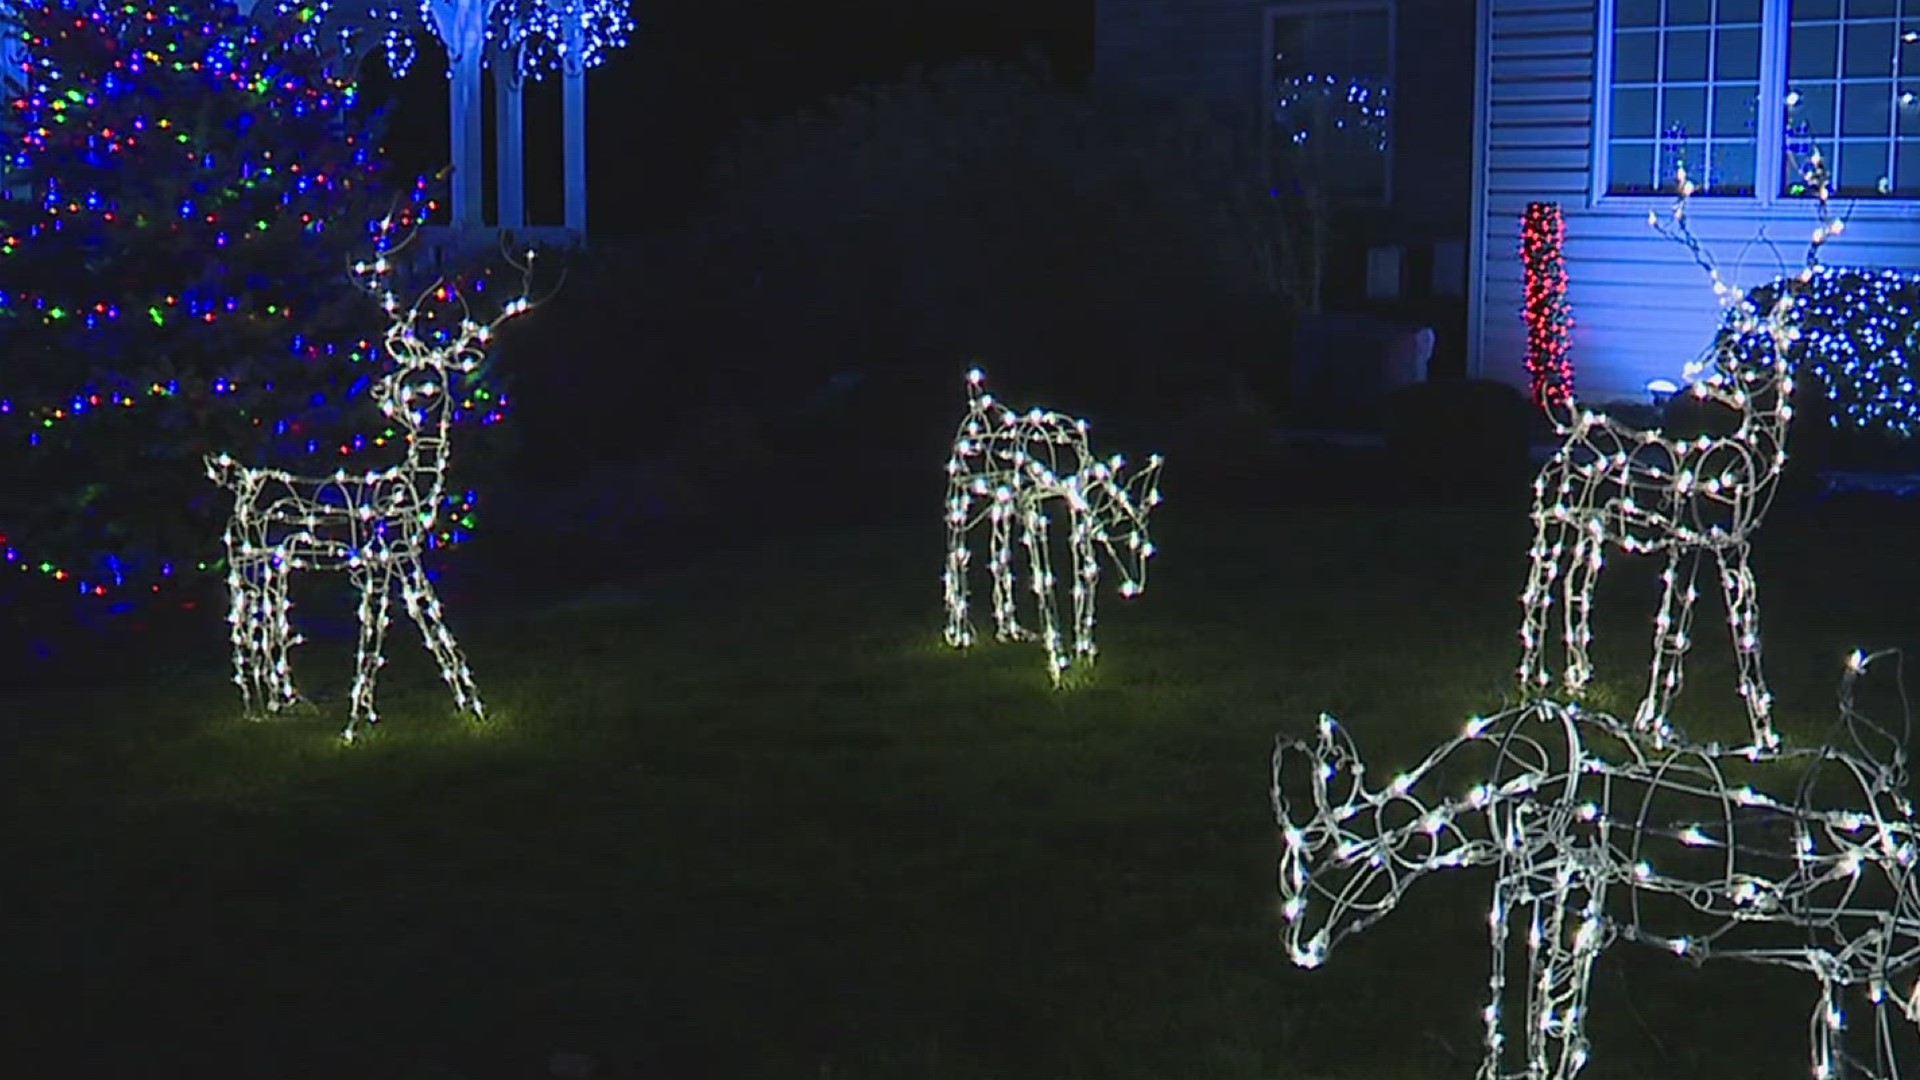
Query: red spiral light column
x=1549 y=319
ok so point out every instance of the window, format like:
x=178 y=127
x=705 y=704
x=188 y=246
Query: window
x=1330 y=72
x=1686 y=83
x=1846 y=62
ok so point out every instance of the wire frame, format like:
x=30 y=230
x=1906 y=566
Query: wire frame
x=1009 y=468
x=1597 y=833
x=374 y=526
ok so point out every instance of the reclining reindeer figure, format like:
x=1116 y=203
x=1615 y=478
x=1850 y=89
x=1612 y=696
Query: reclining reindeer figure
x=1613 y=484
x=375 y=526
x=1599 y=834
x=1009 y=467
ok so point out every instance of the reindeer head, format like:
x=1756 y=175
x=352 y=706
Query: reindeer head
x=428 y=355
x=1119 y=510
x=1333 y=881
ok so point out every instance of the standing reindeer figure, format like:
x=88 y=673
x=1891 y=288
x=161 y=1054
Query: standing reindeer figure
x=375 y=526
x=1008 y=466
x=1597 y=835
x=1643 y=491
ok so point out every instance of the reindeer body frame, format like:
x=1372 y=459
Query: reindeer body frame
x=1689 y=499
x=1598 y=845
x=1008 y=468
x=374 y=526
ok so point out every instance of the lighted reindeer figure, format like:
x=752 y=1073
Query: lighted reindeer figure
x=374 y=526
x=1645 y=492
x=1596 y=835
x=1010 y=468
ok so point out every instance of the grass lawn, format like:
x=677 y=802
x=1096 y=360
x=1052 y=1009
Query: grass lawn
x=745 y=816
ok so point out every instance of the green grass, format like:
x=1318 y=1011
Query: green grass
x=748 y=817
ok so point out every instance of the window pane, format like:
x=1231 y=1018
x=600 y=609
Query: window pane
x=1812 y=111
x=1869 y=50
x=1636 y=56
x=1867 y=8
x=1863 y=164
x=1685 y=85
x=1906 y=168
x=1866 y=109
x=1815 y=9
x=1813 y=52
x=1683 y=112
x=1736 y=108
x=1631 y=168
x=1637 y=13
x=1737 y=54
x=1689 y=12
x=1730 y=172
x=1332 y=99
x=1633 y=115
x=1686 y=55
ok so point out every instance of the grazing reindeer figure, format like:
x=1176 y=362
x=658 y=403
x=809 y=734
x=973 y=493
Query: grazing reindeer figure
x=1612 y=484
x=1598 y=834
x=1008 y=466
x=374 y=526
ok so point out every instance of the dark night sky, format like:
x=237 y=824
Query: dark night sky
x=695 y=69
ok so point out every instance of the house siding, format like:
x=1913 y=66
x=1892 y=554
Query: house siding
x=1642 y=308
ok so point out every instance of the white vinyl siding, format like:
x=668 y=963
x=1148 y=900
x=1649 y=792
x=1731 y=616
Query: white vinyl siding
x=1641 y=308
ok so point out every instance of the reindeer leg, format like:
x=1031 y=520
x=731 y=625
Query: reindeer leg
x=959 y=625
x=1498 y=920
x=1737 y=583
x=423 y=604
x=1886 y=1062
x=375 y=595
x=1033 y=535
x=1536 y=600
x=1086 y=581
x=244 y=611
x=1672 y=636
x=1583 y=571
x=1563 y=948
x=1006 y=622
x=279 y=638
x=1824 y=1032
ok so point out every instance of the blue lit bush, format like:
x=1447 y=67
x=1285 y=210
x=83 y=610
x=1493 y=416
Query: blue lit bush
x=1861 y=342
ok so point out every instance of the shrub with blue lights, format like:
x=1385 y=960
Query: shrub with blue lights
x=1860 y=341
x=185 y=188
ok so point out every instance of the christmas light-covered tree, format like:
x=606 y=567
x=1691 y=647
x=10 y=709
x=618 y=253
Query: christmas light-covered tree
x=185 y=190
x=1543 y=230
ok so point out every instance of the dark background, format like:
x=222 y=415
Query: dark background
x=694 y=70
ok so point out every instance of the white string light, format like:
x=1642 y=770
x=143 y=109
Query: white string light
x=374 y=526
x=1615 y=485
x=1009 y=467
x=1802 y=858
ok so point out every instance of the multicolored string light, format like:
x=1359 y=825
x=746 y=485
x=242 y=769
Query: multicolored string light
x=1803 y=858
x=104 y=90
x=1008 y=467
x=374 y=525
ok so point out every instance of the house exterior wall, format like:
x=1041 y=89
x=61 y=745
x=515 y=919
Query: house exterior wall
x=1213 y=52
x=1642 y=308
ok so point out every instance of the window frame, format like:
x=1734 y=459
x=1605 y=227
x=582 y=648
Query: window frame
x=1269 y=14
x=1770 y=148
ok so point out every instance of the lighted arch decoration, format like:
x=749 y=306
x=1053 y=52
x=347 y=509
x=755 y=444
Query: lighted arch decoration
x=517 y=38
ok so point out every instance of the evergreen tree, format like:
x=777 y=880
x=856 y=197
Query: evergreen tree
x=185 y=190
